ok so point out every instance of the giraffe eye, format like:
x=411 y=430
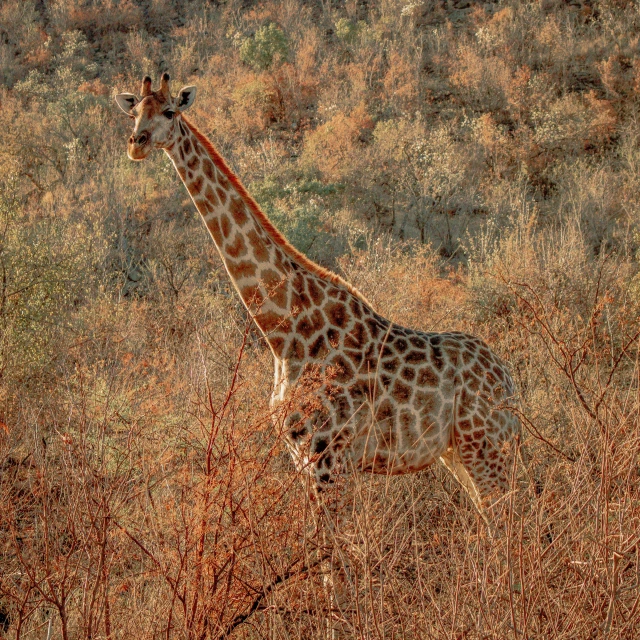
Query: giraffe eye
x=169 y=115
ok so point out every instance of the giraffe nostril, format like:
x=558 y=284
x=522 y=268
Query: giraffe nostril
x=142 y=138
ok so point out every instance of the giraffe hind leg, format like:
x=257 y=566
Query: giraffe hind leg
x=454 y=464
x=488 y=454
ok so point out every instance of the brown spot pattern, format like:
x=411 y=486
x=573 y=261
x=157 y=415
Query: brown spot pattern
x=239 y=212
x=236 y=248
x=260 y=252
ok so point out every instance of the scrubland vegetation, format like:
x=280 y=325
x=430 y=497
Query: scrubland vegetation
x=468 y=166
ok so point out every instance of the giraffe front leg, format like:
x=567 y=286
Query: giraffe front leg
x=331 y=495
x=321 y=450
x=331 y=483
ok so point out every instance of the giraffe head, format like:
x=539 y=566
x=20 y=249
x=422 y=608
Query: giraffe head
x=155 y=114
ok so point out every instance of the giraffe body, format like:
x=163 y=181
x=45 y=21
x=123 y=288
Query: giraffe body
x=363 y=392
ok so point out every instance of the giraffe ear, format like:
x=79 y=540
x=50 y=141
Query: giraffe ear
x=185 y=98
x=126 y=101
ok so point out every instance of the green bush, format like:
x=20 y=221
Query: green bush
x=46 y=265
x=268 y=47
x=297 y=210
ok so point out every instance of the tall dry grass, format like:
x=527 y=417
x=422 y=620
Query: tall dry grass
x=123 y=521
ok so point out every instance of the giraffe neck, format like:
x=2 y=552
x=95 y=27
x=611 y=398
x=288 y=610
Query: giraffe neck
x=268 y=279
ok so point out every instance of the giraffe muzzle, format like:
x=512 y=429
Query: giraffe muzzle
x=137 y=144
x=139 y=140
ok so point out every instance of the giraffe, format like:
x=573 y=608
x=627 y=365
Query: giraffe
x=389 y=399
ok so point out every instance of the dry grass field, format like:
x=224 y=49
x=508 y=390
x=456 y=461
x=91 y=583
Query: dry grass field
x=468 y=166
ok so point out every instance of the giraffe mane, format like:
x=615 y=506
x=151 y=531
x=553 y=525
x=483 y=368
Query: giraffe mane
x=297 y=256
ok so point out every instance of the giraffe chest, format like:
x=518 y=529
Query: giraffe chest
x=364 y=421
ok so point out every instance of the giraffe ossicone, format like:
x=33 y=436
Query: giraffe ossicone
x=388 y=399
